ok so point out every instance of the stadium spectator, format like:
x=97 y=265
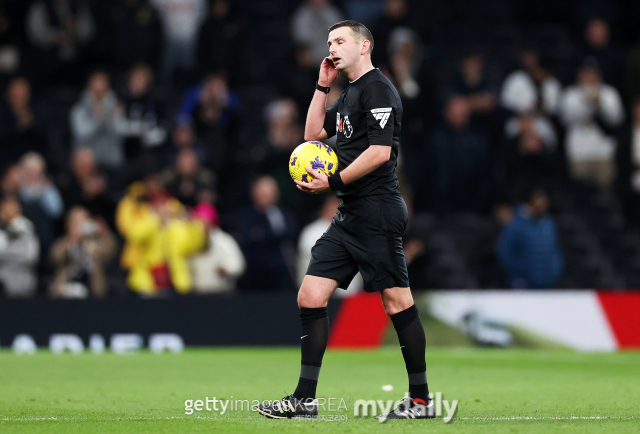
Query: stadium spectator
x=137 y=33
x=395 y=15
x=216 y=269
x=266 y=233
x=19 y=250
x=310 y=23
x=80 y=256
x=406 y=53
x=284 y=133
x=40 y=198
x=628 y=163
x=189 y=182
x=59 y=30
x=529 y=248
x=305 y=72
x=219 y=39
x=532 y=88
x=12 y=15
x=21 y=125
x=181 y=20
x=458 y=163
x=184 y=137
x=87 y=187
x=471 y=82
x=592 y=111
x=212 y=109
x=159 y=239
x=98 y=123
x=144 y=112
x=529 y=153
x=597 y=45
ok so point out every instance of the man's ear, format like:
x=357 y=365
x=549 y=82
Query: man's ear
x=365 y=47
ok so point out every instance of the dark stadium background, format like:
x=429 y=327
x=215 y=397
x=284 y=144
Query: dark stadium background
x=202 y=129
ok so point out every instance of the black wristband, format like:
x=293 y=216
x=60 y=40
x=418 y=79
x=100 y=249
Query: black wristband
x=322 y=88
x=335 y=182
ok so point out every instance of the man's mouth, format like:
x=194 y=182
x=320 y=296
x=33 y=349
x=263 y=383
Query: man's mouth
x=335 y=59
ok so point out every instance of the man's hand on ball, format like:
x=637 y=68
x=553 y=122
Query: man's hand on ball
x=319 y=184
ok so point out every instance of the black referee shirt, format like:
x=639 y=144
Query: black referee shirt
x=367 y=113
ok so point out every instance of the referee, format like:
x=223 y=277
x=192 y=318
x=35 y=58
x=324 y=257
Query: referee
x=366 y=233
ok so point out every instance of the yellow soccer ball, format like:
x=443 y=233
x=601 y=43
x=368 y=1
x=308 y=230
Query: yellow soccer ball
x=319 y=156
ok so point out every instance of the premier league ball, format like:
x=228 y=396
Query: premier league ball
x=317 y=155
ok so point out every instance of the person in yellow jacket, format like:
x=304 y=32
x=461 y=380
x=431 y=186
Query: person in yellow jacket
x=158 y=239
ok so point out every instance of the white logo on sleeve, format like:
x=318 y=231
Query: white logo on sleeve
x=382 y=115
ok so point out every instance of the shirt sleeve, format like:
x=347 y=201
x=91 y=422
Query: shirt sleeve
x=330 y=124
x=378 y=102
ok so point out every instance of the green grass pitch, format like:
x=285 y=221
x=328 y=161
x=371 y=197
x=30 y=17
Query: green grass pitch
x=512 y=391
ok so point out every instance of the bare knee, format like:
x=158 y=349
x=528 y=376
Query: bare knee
x=315 y=291
x=307 y=298
x=396 y=300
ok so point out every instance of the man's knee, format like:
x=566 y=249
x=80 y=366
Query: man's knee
x=315 y=291
x=396 y=300
x=307 y=298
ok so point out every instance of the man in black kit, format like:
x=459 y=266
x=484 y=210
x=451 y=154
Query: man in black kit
x=366 y=233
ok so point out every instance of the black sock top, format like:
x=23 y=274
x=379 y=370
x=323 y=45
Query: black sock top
x=311 y=314
x=401 y=320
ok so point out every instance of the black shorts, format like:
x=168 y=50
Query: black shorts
x=365 y=235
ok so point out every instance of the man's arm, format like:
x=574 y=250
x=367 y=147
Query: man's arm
x=314 y=126
x=372 y=158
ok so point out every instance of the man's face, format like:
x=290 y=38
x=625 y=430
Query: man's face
x=9 y=209
x=539 y=203
x=99 y=85
x=344 y=48
x=589 y=76
x=265 y=193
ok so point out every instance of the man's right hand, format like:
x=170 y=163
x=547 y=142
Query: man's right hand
x=328 y=73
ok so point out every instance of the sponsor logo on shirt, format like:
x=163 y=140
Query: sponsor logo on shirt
x=382 y=115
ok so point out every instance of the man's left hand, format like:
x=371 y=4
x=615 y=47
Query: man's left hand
x=319 y=184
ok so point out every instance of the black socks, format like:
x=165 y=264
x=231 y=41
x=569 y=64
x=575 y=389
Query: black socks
x=315 y=335
x=314 y=338
x=413 y=345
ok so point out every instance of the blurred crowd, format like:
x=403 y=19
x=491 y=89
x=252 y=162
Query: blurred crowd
x=144 y=142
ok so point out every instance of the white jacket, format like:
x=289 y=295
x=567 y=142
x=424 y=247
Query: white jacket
x=585 y=140
x=181 y=18
x=519 y=93
x=224 y=254
x=19 y=254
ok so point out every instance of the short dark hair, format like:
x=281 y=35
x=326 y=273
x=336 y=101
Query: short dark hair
x=358 y=28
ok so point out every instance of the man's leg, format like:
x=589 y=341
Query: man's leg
x=312 y=299
x=398 y=304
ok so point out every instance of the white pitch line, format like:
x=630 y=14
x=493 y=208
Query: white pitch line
x=54 y=418
x=546 y=418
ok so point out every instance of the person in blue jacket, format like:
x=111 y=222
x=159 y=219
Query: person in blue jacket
x=528 y=248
